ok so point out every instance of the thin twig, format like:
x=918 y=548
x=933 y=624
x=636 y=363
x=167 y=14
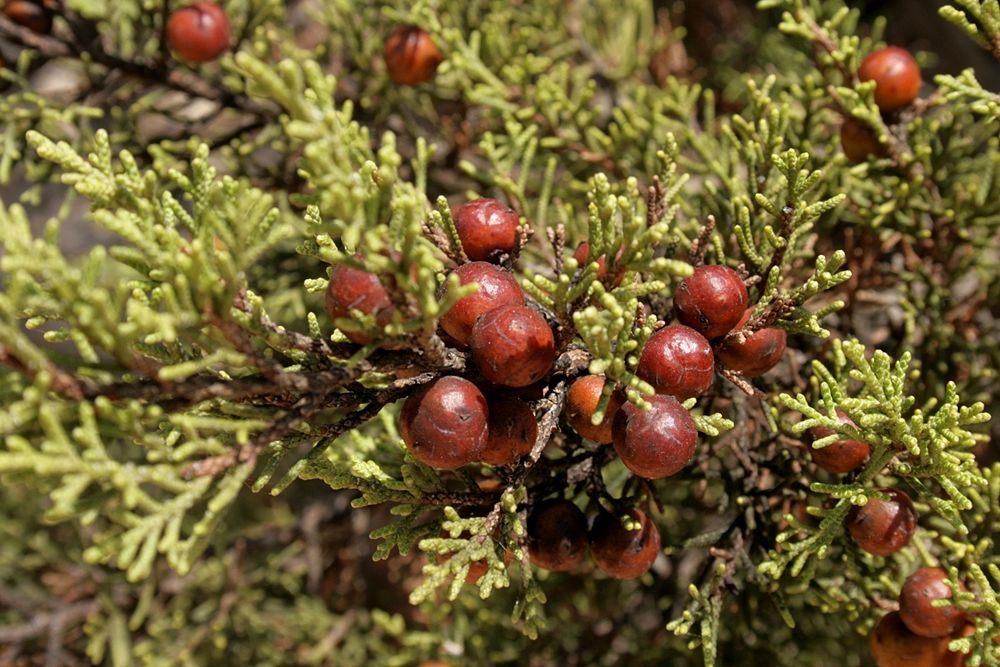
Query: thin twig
x=696 y=256
x=164 y=51
x=553 y=407
x=460 y=499
x=172 y=77
x=655 y=205
x=293 y=339
x=323 y=436
x=248 y=453
x=742 y=383
x=62 y=382
x=785 y=232
x=43 y=622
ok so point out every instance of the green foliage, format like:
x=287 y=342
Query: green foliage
x=924 y=447
x=980 y=19
x=194 y=455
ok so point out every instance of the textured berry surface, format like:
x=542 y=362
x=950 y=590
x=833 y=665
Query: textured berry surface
x=29 y=14
x=883 y=527
x=445 y=425
x=496 y=287
x=622 y=553
x=658 y=442
x=840 y=456
x=581 y=402
x=411 y=55
x=513 y=346
x=678 y=361
x=916 y=607
x=513 y=429
x=711 y=300
x=859 y=141
x=896 y=75
x=557 y=535
x=198 y=33
x=355 y=289
x=486 y=227
x=759 y=353
x=893 y=645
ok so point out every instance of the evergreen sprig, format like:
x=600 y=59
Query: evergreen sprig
x=154 y=388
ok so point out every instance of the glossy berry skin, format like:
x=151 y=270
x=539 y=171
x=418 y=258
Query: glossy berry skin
x=557 y=535
x=678 y=361
x=621 y=553
x=496 y=287
x=29 y=14
x=658 y=442
x=883 y=527
x=513 y=429
x=859 y=142
x=841 y=456
x=896 y=75
x=487 y=228
x=512 y=346
x=445 y=424
x=411 y=55
x=893 y=645
x=356 y=289
x=711 y=300
x=759 y=353
x=916 y=610
x=199 y=33
x=582 y=400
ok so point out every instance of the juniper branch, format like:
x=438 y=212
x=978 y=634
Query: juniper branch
x=552 y=406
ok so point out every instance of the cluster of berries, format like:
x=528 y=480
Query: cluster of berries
x=897 y=84
x=919 y=633
x=449 y=422
x=454 y=421
x=880 y=527
x=679 y=361
x=558 y=539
